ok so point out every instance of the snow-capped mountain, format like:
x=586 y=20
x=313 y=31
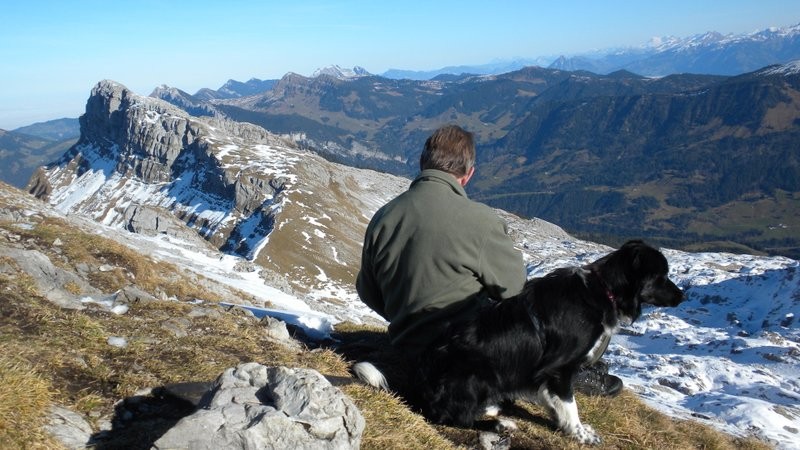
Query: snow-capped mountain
x=791 y=68
x=340 y=72
x=714 y=38
x=694 y=41
x=246 y=207
x=707 y=53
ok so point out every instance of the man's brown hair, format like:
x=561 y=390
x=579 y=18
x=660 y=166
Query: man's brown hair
x=451 y=149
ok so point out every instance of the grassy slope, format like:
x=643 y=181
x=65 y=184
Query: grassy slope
x=52 y=355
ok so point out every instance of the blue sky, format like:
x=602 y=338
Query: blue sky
x=53 y=52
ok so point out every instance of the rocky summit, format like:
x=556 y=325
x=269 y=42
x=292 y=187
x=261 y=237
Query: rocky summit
x=149 y=167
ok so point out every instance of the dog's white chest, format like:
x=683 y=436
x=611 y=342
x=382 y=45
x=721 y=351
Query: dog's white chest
x=599 y=347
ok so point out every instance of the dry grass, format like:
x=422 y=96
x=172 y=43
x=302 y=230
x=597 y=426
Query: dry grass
x=24 y=403
x=90 y=376
x=77 y=248
x=391 y=425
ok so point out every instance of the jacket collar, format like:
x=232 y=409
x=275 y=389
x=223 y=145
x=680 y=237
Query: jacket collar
x=441 y=177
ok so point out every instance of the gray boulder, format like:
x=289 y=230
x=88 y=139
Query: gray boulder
x=69 y=428
x=51 y=280
x=257 y=407
x=152 y=220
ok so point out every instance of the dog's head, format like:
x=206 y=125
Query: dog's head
x=636 y=274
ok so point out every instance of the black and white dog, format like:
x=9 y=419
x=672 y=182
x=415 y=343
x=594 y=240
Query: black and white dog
x=531 y=346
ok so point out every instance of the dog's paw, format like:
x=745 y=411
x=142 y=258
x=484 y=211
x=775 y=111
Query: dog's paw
x=493 y=441
x=505 y=426
x=585 y=434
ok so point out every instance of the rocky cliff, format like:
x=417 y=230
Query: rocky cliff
x=147 y=166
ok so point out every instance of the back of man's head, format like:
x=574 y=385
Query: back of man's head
x=451 y=149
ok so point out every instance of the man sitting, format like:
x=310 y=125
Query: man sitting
x=432 y=256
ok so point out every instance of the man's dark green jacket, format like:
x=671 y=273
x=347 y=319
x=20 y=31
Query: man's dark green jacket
x=432 y=255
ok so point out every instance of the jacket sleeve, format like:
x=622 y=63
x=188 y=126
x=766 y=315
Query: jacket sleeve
x=502 y=271
x=367 y=287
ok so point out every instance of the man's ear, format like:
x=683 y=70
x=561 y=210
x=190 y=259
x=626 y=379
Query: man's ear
x=465 y=179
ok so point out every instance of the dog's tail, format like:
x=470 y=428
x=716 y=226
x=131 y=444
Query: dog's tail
x=369 y=374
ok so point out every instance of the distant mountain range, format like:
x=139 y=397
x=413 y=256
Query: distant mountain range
x=24 y=149
x=710 y=53
x=681 y=159
x=53 y=130
x=493 y=68
x=234 y=89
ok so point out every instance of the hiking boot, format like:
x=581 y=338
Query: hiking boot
x=595 y=380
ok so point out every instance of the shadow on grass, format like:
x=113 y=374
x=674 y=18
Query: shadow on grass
x=139 y=421
x=375 y=347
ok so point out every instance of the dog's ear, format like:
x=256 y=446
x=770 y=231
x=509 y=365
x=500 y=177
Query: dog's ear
x=637 y=263
x=645 y=259
x=633 y=245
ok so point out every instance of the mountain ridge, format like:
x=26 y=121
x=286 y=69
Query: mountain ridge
x=561 y=132
x=54 y=130
x=24 y=149
x=708 y=53
x=603 y=61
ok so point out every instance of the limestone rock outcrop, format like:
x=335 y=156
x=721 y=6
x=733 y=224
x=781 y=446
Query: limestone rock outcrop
x=257 y=407
x=140 y=160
